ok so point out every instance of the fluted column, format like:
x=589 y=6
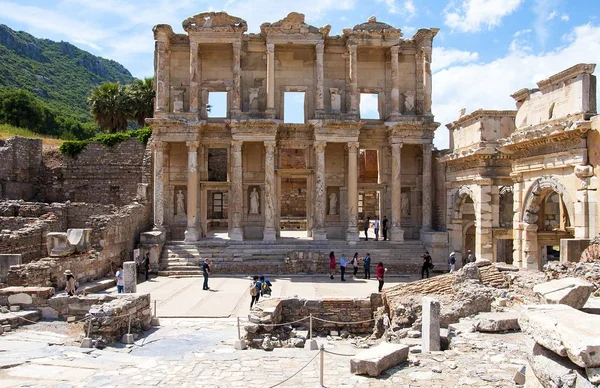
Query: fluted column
x=159 y=198
x=236 y=70
x=191 y=232
x=319 y=231
x=236 y=200
x=395 y=81
x=396 y=233
x=319 y=103
x=269 y=232
x=353 y=69
x=194 y=77
x=270 y=78
x=352 y=230
x=427 y=149
x=420 y=70
x=163 y=82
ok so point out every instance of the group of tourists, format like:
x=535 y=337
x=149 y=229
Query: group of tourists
x=376 y=224
x=259 y=287
x=355 y=262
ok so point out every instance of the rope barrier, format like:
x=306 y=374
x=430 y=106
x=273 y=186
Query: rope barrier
x=339 y=354
x=298 y=371
x=5 y=310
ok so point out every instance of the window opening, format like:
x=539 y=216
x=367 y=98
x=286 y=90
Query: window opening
x=293 y=107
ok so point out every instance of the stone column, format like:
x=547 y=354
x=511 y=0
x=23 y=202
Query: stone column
x=396 y=232
x=319 y=103
x=163 y=82
x=395 y=81
x=191 y=233
x=236 y=70
x=159 y=196
x=269 y=232
x=352 y=231
x=427 y=152
x=236 y=200
x=420 y=72
x=270 y=78
x=319 y=231
x=430 y=326
x=194 y=77
x=483 y=221
x=129 y=277
x=353 y=66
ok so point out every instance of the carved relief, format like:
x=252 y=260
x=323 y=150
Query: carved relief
x=178 y=93
x=253 y=99
x=409 y=102
x=336 y=99
x=254 y=201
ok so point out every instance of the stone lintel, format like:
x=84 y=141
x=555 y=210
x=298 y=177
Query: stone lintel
x=571 y=72
x=472 y=117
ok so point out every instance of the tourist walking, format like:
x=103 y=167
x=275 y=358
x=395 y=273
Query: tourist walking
x=427 y=264
x=384 y=225
x=255 y=290
x=343 y=264
x=71 y=287
x=452 y=261
x=265 y=286
x=367 y=265
x=380 y=273
x=331 y=265
x=205 y=273
x=376 y=228
x=470 y=257
x=366 y=228
x=146 y=265
x=355 y=263
x=119 y=279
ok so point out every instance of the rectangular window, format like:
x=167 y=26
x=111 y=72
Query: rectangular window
x=217 y=205
x=217 y=105
x=293 y=107
x=360 y=202
x=369 y=106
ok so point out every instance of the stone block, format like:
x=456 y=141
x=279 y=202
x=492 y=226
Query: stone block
x=80 y=239
x=564 y=330
x=15 y=309
x=495 y=322
x=374 y=361
x=49 y=313
x=6 y=260
x=20 y=299
x=553 y=370
x=573 y=292
x=519 y=378
x=430 y=327
x=593 y=375
x=58 y=244
x=130 y=277
x=572 y=248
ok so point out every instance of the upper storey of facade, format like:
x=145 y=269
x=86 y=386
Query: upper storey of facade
x=255 y=71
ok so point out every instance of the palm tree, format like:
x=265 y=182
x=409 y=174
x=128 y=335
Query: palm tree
x=110 y=106
x=142 y=97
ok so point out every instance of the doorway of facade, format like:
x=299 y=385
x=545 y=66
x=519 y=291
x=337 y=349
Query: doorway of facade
x=293 y=220
x=504 y=251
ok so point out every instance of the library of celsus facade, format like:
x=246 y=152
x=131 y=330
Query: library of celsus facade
x=250 y=170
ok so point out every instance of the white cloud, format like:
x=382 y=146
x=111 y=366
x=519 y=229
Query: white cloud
x=489 y=85
x=473 y=15
x=544 y=12
x=521 y=32
x=408 y=8
x=552 y=15
x=443 y=57
x=565 y=17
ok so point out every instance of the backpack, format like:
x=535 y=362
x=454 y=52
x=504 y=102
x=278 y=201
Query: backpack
x=265 y=289
x=253 y=290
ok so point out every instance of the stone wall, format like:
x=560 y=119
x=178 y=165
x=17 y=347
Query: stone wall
x=30 y=240
x=293 y=197
x=19 y=171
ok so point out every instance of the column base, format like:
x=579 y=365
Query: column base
x=270 y=113
x=191 y=234
x=394 y=116
x=319 y=234
x=269 y=234
x=397 y=234
x=352 y=235
x=236 y=234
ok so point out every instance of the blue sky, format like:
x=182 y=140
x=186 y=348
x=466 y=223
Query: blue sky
x=485 y=50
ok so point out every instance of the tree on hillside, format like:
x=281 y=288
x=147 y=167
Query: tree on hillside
x=111 y=106
x=21 y=109
x=142 y=97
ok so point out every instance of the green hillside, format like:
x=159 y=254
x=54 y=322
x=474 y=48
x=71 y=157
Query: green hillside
x=58 y=72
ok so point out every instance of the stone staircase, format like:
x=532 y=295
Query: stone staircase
x=284 y=256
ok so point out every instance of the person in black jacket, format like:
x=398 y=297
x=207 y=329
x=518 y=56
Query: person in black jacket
x=427 y=264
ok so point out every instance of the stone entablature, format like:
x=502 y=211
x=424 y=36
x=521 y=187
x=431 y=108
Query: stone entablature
x=480 y=131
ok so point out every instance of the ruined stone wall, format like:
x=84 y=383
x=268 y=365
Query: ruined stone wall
x=30 y=240
x=293 y=197
x=19 y=170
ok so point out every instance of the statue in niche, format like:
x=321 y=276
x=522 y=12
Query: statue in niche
x=332 y=204
x=254 y=99
x=180 y=204
x=254 y=201
x=409 y=101
x=336 y=99
x=405 y=204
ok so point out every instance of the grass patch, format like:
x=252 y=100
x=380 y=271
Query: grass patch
x=73 y=147
x=7 y=131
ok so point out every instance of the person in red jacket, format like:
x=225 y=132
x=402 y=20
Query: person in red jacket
x=331 y=264
x=380 y=273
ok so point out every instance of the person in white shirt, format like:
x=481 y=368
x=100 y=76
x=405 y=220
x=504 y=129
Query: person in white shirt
x=120 y=281
x=343 y=264
x=376 y=227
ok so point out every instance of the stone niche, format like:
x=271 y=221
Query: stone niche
x=254 y=210
x=180 y=202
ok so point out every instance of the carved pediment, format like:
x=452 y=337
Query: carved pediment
x=215 y=21
x=372 y=26
x=293 y=23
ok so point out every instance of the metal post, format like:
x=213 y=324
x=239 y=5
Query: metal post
x=310 y=328
x=129 y=328
x=238 y=327
x=154 y=308
x=89 y=326
x=321 y=365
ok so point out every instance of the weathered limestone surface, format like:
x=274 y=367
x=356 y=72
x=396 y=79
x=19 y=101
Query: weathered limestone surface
x=59 y=245
x=573 y=292
x=495 y=322
x=6 y=260
x=374 y=361
x=553 y=370
x=431 y=325
x=130 y=277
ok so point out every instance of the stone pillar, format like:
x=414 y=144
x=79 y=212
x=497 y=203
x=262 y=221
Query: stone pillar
x=194 y=77
x=269 y=231
x=236 y=70
x=531 y=250
x=236 y=200
x=396 y=232
x=163 y=81
x=319 y=103
x=352 y=184
x=270 y=78
x=353 y=74
x=129 y=277
x=191 y=233
x=483 y=221
x=395 y=81
x=427 y=151
x=430 y=326
x=159 y=195
x=420 y=72
x=319 y=231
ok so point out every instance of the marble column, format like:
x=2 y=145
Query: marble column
x=269 y=233
x=395 y=81
x=420 y=73
x=427 y=152
x=352 y=184
x=163 y=82
x=353 y=66
x=191 y=232
x=319 y=231
x=236 y=199
x=159 y=196
x=396 y=232
x=129 y=277
x=194 y=77
x=236 y=70
x=319 y=103
x=270 y=78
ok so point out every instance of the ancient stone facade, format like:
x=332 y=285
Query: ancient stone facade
x=20 y=168
x=519 y=182
x=268 y=157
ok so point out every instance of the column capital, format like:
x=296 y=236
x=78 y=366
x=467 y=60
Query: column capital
x=353 y=146
x=319 y=146
x=319 y=48
x=236 y=145
x=394 y=50
x=396 y=144
x=192 y=145
x=158 y=145
x=352 y=48
x=270 y=48
x=270 y=145
x=427 y=147
x=237 y=45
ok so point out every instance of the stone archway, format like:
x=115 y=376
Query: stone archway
x=463 y=222
x=538 y=192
